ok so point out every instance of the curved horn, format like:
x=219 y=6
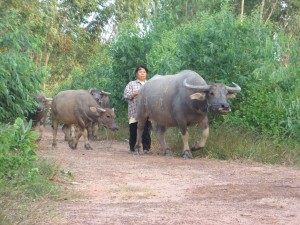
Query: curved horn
x=204 y=87
x=91 y=90
x=235 y=89
x=105 y=93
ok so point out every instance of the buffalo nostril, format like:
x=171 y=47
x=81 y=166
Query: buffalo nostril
x=225 y=106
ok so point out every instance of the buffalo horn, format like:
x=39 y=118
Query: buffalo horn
x=204 y=87
x=235 y=89
x=105 y=93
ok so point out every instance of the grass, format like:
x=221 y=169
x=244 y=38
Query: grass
x=131 y=192
x=236 y=143
x=231 y=143
x=28 y=203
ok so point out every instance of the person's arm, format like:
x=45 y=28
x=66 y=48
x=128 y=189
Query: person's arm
x=129 y=92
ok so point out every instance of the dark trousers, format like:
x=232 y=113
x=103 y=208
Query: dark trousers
x=146 y=138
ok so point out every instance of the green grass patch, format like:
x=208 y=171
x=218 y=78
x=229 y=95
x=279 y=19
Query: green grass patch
x=231 y=143
x=27 y=183
x=32 y=202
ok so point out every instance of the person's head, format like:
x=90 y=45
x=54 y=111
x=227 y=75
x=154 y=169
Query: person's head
x=141 y=72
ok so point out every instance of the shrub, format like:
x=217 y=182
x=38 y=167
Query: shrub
x=17 y=152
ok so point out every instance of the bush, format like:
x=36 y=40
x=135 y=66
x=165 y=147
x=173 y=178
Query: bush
x=17 y=152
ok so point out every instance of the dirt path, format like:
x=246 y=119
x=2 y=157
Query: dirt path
x=118 y=188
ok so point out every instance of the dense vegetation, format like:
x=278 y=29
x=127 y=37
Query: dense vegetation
x=57 y=45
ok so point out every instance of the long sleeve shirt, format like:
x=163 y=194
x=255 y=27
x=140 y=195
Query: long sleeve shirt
x=130 y=89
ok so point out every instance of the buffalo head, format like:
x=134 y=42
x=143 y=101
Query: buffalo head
x=42 y=105
x=106 y=117
x=100 y=96
x=216 y=95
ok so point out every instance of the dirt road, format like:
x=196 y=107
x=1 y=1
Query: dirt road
x=118 y=188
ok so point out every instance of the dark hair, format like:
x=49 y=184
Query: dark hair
x=141 y=66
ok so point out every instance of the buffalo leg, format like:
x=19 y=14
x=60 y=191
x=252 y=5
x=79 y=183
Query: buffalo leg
x=204 y=136
x=160 y=134
x=96 y=131
x=186 y=149
x=90 y=131
x=39 y=128
x=54 y=132
x=140 y=129
x=185 y=140
x=72 y=140
x=86 y=140
x=67 y=131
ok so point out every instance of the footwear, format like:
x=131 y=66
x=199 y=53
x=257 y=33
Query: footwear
x=147 y=151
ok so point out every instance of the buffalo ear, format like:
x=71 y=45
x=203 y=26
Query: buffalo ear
x=93 y=109
x=231 y=95
x=48 y=101
x=198 y=96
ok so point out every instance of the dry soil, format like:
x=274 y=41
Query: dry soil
x=115 y=187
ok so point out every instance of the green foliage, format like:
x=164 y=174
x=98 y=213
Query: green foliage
x=17 y=152
x=220 y=47
x=19 y=76
x=292 y=119
x=128 y=49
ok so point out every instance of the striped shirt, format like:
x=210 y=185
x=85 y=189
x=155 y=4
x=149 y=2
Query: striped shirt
x=131 y=87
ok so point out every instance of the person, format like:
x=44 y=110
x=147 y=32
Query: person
x=130 y=95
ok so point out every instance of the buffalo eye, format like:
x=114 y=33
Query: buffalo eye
x=212 y=94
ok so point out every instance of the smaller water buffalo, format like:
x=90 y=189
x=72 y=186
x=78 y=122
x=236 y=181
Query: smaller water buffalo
x=102 y=97
x=77 y=109
x=181 y=100
x=39 y=115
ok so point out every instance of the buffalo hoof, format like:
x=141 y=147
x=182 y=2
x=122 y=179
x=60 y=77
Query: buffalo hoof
x=169 y=152
x=71 y=145
x=187 y=154
x=54 y=146
x=138 y=151
x=88 y=147
x=194 y=148
x=93 y=138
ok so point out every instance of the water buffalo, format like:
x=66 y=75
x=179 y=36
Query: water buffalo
x=181 y=100
x=102 y=98
x=76 y=109
x=39 y=115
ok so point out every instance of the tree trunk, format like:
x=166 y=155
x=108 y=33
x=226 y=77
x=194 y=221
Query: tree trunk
x=242 y=10
x=46 y=65
x=272 y=10
x=262 y=8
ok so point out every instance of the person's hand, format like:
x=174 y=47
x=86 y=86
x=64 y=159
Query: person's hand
x=134 y=94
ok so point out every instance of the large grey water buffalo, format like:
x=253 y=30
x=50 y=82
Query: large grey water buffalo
x=181 y=100
x=39 y=115
x=76 y=109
